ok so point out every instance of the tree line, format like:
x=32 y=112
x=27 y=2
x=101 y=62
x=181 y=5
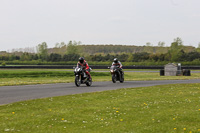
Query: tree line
x=62 y=52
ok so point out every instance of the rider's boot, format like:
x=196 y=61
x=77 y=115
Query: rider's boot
x=90 y=78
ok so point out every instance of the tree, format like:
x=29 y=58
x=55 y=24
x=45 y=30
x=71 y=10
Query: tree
x=60 y=45
x=123 y=57
x=161 y=44
x=71 y=57
x=54 y=57
x=176 y=49
x=140 y=56
x=72 y=48
x=179 y=41
x=42 y=51
x=192 y=56
x=198 y=48
x=130 y=57
x=107 y=57
x=25 y=56
x=148 y=44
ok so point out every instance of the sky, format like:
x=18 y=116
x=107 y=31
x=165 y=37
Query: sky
x=27 y=23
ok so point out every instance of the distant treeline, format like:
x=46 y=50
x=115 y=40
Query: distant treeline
x=66 y=54
x=67 y=58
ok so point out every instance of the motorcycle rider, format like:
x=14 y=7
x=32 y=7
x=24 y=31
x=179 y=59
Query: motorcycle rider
x=118 y=64
x=82 y=63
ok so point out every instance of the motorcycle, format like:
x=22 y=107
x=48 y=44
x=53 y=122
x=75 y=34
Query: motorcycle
x=81 y=77
x=116 y=74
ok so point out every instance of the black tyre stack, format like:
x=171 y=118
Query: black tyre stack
x=186 y=72
x=162 y=72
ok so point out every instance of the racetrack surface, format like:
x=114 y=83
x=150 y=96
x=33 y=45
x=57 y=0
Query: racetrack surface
x=10 y=94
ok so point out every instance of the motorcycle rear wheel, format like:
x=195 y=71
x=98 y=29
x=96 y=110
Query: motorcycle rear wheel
x=122 y=80
x=89 y=83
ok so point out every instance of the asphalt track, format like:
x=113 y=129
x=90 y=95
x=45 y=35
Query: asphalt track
x=10 y=94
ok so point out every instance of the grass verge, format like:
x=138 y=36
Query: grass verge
x=166 y=108
x=46 y=76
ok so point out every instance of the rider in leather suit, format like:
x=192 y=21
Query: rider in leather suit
x=84 y=64
x=118 y=64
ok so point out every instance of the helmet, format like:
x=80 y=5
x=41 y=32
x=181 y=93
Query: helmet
x=81 y=59
x=116 y=60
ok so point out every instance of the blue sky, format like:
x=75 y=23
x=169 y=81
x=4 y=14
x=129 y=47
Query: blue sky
x=27 y=23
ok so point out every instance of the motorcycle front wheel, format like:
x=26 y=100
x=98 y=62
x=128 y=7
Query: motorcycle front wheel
x=114 y=78
x=77 y=81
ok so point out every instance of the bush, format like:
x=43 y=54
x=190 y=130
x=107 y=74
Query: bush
x=3 y=64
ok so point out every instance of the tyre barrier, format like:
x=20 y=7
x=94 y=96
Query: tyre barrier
x=162 y=72
x=186 y=72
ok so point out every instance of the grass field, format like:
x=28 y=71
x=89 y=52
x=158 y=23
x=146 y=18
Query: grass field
x=46 y=76
x=157 y=109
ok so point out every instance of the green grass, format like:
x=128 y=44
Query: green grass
x=46 y=76
x=42 y=73
x=157 y=109
x=169 y=108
